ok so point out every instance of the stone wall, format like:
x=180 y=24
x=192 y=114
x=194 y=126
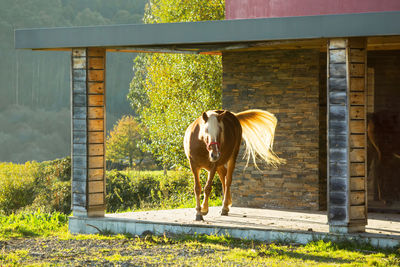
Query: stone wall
x=286 y=83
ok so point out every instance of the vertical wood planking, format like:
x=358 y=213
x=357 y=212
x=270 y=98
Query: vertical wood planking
x=357 y=61
x=79 y=129
x=96 y=131
x=347 y=134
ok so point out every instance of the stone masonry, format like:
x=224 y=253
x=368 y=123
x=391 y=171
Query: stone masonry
x=286 y=83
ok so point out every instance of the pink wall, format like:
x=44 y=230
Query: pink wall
x=243 y=9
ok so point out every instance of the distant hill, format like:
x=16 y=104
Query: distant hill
x=35 y=86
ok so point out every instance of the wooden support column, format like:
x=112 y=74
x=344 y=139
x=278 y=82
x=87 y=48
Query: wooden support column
x=347 y=138
x=88 y=131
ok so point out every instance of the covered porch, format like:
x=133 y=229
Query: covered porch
x=345 y=39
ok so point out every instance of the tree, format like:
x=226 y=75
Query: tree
x=123 y=142
x=169 y=91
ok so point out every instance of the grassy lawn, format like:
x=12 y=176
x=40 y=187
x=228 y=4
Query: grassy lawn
x=43 y=239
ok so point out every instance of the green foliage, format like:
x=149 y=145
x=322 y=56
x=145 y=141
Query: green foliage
x=169 y=91
x=17 y=185
x=35 y=223
x=33 y=186
x=123 y=142
x=153 y=190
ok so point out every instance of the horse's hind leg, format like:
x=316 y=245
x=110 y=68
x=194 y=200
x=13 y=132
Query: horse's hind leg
x=197 y=192
x=227 y=191
x=207 y=191
x=222 y=174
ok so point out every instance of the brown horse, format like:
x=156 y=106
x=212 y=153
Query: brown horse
x=213 y=140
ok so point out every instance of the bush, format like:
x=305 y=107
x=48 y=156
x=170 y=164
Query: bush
x=17 y=185
x=152 y=190
x=33 y=186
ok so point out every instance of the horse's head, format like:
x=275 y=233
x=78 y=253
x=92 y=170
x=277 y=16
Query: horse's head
x=212 y=133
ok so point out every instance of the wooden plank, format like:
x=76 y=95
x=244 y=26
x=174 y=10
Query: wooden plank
x=96 y=52
x=79 y=62
x=337 y=56
x=79 y=75
x=95 y=125
x=337 y=112
x=96 y=137
x=79 y=137
x=96 y=162
x=358 y=212
x=357 y=42
x=337 y=70
x=79 y=124
x=357 y=112
x=95 y=100
x=357 y=126
x=95 y=112
x=357 y=141
x=337 y=154
x=337 y=43
x=79 y=187
x=96 y=149
x=357 y=198
x=79 y=52
x=357 y=69
x=338 y=141
x=79 y=199
x=357 y=55
x=96 y=199
x=96 y=75
x=96 y=174
x=79 y=113
x=79 y=87
x=96 y=63
x=337 y=127
x=96 y=88
x=79 y=162
x=79 y=174
x=79 y=149
x=357 y=169
x=79 y=100
x=96 y=187
x=337 y=84
x=96 y=211
x=357 y=154
x=338 y=169
x=357 y=183
x=357 y=84
x=337 y=198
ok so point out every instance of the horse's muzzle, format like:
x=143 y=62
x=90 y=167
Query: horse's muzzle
x=214 y=156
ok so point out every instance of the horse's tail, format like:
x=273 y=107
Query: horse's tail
x=258 y=131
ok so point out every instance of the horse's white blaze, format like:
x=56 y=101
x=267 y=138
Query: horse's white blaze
x=212 y=127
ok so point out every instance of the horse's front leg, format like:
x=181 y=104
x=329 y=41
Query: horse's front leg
x=207 y=191
x=227 y=191
x=197 y=192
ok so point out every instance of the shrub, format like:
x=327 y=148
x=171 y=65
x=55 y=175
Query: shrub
x=33 y=186
x=152 y=190
x=17 y=185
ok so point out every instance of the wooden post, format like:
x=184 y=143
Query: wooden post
x=88 y=131
x=347 y=143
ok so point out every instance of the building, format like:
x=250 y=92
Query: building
x=313 y=65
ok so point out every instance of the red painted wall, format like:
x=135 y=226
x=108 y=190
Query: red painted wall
x=243 y=9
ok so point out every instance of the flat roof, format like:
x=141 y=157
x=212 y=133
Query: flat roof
x=209 y=35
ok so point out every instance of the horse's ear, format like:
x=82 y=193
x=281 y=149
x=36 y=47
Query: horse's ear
x=205 y=117
x=221 y=116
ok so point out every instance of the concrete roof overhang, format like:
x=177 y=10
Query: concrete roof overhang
x=217 y=36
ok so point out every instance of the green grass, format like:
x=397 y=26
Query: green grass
x=53 y=245
x=33 y=224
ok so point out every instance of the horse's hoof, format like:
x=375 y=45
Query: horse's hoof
x=204 y=212
x=199 y=217
x=224 y=212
